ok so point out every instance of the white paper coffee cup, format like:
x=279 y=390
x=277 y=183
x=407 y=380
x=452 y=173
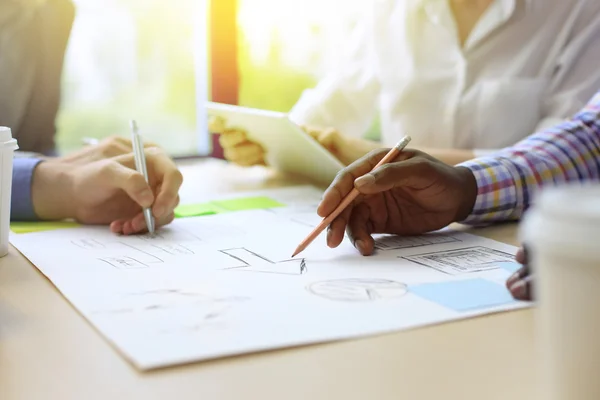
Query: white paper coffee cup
x=8 y=145
x=562 y=234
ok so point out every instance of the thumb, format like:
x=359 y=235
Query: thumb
x=131 y=182
x=409 y=173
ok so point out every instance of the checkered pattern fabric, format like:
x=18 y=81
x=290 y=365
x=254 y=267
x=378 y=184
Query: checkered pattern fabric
x=507 y=180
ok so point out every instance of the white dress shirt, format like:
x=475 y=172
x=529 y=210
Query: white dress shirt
x=526 y=64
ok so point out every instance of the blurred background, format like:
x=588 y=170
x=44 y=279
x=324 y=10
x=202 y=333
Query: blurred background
x=158 y=62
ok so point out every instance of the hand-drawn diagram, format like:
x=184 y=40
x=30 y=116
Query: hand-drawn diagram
x=253 y=262
x=358 y=289
x=161 y=299
x=88 y=244
x=174 y=249
x=460 y=261
x=133 y=252
x=394 y=242
x=124 y=262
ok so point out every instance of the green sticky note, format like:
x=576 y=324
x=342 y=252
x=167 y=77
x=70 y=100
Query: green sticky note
x=194 y=210
x=222 y=206
x=247 y=203
x=28 y=227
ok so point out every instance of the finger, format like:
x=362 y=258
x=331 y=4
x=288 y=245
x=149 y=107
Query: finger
x=216 y=124
x=313 y=132
x=523 y=289
x=125 y=226
x=329 y=139
x=117 y=226
x=344 y=181
x=337 y=228
x=517 y=276
x=165 y=220
x=414 y=173
x=521 y=256
x=243 y=152
x=165 y=171
x=359 y=230
x=137 y=224
x=256 y=159
x=232 y=138
x=115 y=174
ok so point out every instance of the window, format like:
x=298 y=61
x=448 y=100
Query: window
x=147 y=60
x=136 y=59
x=285 y=46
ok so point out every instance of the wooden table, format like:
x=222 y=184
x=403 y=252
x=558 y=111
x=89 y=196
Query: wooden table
x=48 y=351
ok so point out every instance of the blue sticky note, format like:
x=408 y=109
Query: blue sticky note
x=509 y=266
x=464 y=295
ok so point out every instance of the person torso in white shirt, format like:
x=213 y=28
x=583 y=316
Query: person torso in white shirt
x=526 y=64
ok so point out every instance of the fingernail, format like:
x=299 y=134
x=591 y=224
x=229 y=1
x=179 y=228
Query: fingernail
x=329 y=235
x=519 y=290
x=512 y=279
x=360 y=245
x=364 y=180
x=159 y=211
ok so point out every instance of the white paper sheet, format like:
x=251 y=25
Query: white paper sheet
x=222 y=285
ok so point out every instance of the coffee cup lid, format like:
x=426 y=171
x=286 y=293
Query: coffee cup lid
x=5 y=134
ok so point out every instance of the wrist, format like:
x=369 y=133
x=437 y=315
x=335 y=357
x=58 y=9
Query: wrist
x=51 y=191
x=468 y=196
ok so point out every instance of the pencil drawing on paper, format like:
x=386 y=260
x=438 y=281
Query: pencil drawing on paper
x=174 y=249
x=124 y=262
x=164 y=299
x=464 y=260
x=394 y=242
x=88 y=244
x=358 y=289
x=253 y=262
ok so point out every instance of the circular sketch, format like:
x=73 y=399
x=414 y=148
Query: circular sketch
x=358 y=289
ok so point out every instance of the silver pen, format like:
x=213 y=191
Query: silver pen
x=140 y=166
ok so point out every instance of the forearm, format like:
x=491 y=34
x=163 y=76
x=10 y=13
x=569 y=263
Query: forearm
x=507 y=181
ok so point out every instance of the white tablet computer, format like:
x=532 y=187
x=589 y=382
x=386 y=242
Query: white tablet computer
x=288 y=148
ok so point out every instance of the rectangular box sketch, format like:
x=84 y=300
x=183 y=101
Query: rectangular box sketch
x=393 y=242
x=460 y=261
x=124 y=262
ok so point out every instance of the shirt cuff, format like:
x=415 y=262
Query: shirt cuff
x=21 y=208
x=497 y=195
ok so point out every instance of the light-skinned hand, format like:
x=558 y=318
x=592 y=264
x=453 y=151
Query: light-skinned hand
x=99 y=190
x=412 y=195
x=345 y=149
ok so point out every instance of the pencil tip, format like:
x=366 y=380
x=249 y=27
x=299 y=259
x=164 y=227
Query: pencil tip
x=294 y=255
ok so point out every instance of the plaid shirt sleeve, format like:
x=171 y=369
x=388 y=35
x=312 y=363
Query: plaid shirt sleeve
x=507 y=180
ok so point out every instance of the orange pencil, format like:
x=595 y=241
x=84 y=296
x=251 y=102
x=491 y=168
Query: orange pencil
x=393 y=153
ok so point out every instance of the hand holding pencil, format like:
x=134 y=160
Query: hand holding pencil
x=412 y=194
x=390 y=156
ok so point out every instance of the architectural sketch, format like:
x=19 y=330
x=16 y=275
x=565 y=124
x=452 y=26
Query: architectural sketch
x=460 y=261
x=174 y=249
x=124 y=262
x=254 y=262
x=358 y=289
x=246 y=256
x=163 y=299
x=394 y=242
x=88 y=244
